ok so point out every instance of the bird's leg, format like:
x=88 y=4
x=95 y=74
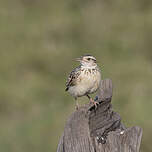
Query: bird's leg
x=77 y=104
x=92 y=101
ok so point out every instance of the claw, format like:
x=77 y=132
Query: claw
x=77 y=107
x=94 y=102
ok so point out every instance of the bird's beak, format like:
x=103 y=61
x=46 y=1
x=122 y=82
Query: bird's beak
x=78 y=59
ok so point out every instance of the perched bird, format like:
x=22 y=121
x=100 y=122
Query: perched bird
x=84 y=79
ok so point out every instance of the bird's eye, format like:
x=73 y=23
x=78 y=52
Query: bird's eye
x=89 y=59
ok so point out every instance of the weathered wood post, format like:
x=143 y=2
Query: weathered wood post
x=99 y=130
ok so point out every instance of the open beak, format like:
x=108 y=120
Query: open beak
x=78 y=59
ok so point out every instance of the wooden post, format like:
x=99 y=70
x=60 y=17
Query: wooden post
x=100 y=129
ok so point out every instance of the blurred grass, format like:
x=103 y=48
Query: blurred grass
x=38 y=41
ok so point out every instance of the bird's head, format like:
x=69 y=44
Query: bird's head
x=87 y=60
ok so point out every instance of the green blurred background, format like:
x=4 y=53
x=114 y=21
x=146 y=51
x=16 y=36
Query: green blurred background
x=39 y=41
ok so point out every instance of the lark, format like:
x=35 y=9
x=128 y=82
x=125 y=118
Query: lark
x=84 y=79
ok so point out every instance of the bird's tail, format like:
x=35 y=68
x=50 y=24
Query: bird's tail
x=67 y=89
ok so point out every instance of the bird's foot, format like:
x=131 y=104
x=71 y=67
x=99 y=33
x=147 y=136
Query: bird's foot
x=95 y=103
x=77 y=106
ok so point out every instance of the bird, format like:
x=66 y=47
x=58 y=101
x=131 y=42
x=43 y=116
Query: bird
x=84 y=79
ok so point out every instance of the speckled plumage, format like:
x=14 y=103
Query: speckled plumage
x=73 y=76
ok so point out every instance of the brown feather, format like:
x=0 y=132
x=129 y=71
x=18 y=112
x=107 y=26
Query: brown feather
x=71 y=81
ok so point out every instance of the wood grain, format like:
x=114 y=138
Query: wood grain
x=91 y=129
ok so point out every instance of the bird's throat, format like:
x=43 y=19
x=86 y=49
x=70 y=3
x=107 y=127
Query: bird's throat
x=88 y=66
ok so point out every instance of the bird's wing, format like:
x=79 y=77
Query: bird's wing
x=72 y=78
